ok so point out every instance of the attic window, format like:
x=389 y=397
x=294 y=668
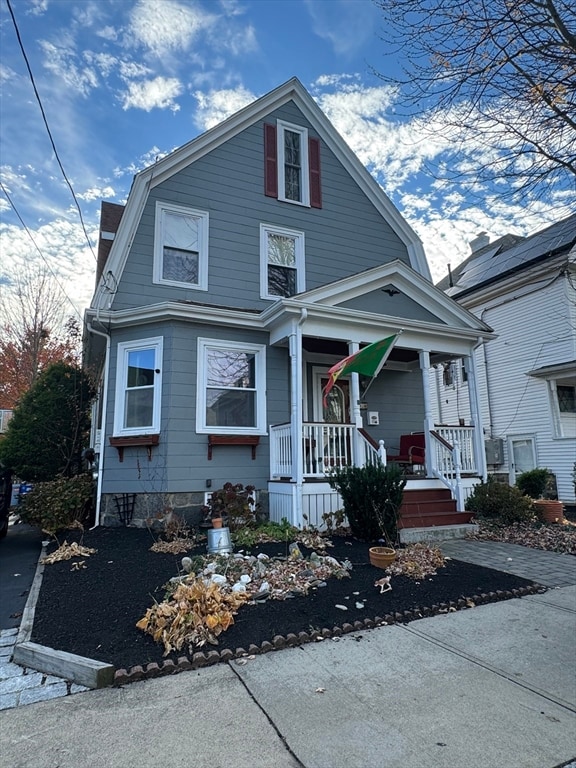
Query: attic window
x=292 y=164
x=181 y=247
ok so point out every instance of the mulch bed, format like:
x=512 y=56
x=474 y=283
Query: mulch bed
x=92 y=611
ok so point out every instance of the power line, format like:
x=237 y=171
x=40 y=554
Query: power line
x=39 y=251
x=66 y=179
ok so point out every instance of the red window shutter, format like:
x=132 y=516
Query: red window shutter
x=314 y=162
x=270 y=161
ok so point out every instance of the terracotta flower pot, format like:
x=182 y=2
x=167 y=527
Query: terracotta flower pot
x=216 y=522
x=382 y=557
x=549 y=510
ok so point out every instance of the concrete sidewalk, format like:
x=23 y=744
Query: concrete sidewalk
x=492 y=687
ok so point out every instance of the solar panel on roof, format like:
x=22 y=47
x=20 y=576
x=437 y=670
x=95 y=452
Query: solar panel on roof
x=491 y=264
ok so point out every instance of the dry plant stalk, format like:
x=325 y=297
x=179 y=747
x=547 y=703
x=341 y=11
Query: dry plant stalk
x=175 y=547
x=67 y=551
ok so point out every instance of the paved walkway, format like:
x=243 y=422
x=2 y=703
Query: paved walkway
x=547 y=568
x=19 y=686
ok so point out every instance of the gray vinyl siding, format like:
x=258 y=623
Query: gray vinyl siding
x=398 y=397
x=398 y=305
x=347 y=235
x=180 y=462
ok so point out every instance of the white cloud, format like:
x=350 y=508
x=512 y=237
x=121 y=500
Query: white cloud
x=97 y=193
x=59 y=246
x=61 y=60
x=166 y=26
x=215 y=106
x=346 y=24
x=159 y=93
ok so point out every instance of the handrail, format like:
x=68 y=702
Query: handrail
x=446 y=466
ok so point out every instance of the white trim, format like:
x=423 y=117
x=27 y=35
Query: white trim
x=122 y=351
x=202 y=218
x=181 y=158
x=511 y=439
x=299 y=250
x=281 y=128
x=259 y=351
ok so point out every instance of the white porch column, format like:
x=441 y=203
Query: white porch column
x=474 y=397
x=356 y=414
x=297 y=473
x=424 y=357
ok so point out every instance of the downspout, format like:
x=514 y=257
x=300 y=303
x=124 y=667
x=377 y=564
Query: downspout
x=487 y=377
x=91 y=329
x=296 y=415
x=475 y=411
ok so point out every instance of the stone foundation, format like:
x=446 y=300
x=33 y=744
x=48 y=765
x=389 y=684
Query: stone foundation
x=149 y=508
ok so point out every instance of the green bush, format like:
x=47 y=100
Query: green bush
x=533 y=483
x=58 y=503
x=372 y=497
x=500 y=501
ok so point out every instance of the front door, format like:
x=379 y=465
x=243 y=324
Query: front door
x=337 y=408
x=521 y=456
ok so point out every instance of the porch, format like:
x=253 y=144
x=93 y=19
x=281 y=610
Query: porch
x=435 y=491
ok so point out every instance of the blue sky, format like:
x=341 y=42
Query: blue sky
x=125 y=81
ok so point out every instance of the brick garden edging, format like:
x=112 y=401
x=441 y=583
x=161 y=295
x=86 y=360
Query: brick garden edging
x=208 y=658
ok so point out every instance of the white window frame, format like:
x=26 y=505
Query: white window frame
x=123 y=350
x=281 y=128
x=564 y=421
x=270 y=229
x=203 y=224
x=259 y=350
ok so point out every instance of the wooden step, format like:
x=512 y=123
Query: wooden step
x=429 y=508
x=431 y=519
x=427 y=494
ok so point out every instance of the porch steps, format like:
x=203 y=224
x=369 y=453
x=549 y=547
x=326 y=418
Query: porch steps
x=428 y=508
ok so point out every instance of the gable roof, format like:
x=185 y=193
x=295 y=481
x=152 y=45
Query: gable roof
x=501 y=259
x=292 y=90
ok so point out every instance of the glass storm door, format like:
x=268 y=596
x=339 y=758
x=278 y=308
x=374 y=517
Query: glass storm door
x=521 y=456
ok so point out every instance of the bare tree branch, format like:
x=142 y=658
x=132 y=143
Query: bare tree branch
x=499 y=77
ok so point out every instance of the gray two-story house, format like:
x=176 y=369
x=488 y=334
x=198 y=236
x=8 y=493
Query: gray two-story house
x=243 y=266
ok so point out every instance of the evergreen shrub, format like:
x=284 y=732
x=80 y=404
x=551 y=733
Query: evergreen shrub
x=500 y=501
x=372 y=497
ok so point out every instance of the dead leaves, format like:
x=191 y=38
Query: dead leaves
x=416 y=561
x=195 y=614
x=66 y=552
x=551 y=538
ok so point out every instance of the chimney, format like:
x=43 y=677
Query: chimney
x=480 y=241
x=110 y=215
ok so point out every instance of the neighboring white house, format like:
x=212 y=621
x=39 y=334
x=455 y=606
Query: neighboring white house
x=525 y=290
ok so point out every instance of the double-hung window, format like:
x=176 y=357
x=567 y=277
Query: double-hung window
x=181 y=246
x=281 y=262
x=231 y=392
x=138 y=387
x=292 y=164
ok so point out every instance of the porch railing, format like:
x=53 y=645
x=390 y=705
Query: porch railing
x=325 y=446
x=464 y=438
x=446 y=466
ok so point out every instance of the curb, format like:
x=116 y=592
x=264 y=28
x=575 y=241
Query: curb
x=209 y=658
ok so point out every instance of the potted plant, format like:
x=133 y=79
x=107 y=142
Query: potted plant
x=536 y=484
x=372 y=497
